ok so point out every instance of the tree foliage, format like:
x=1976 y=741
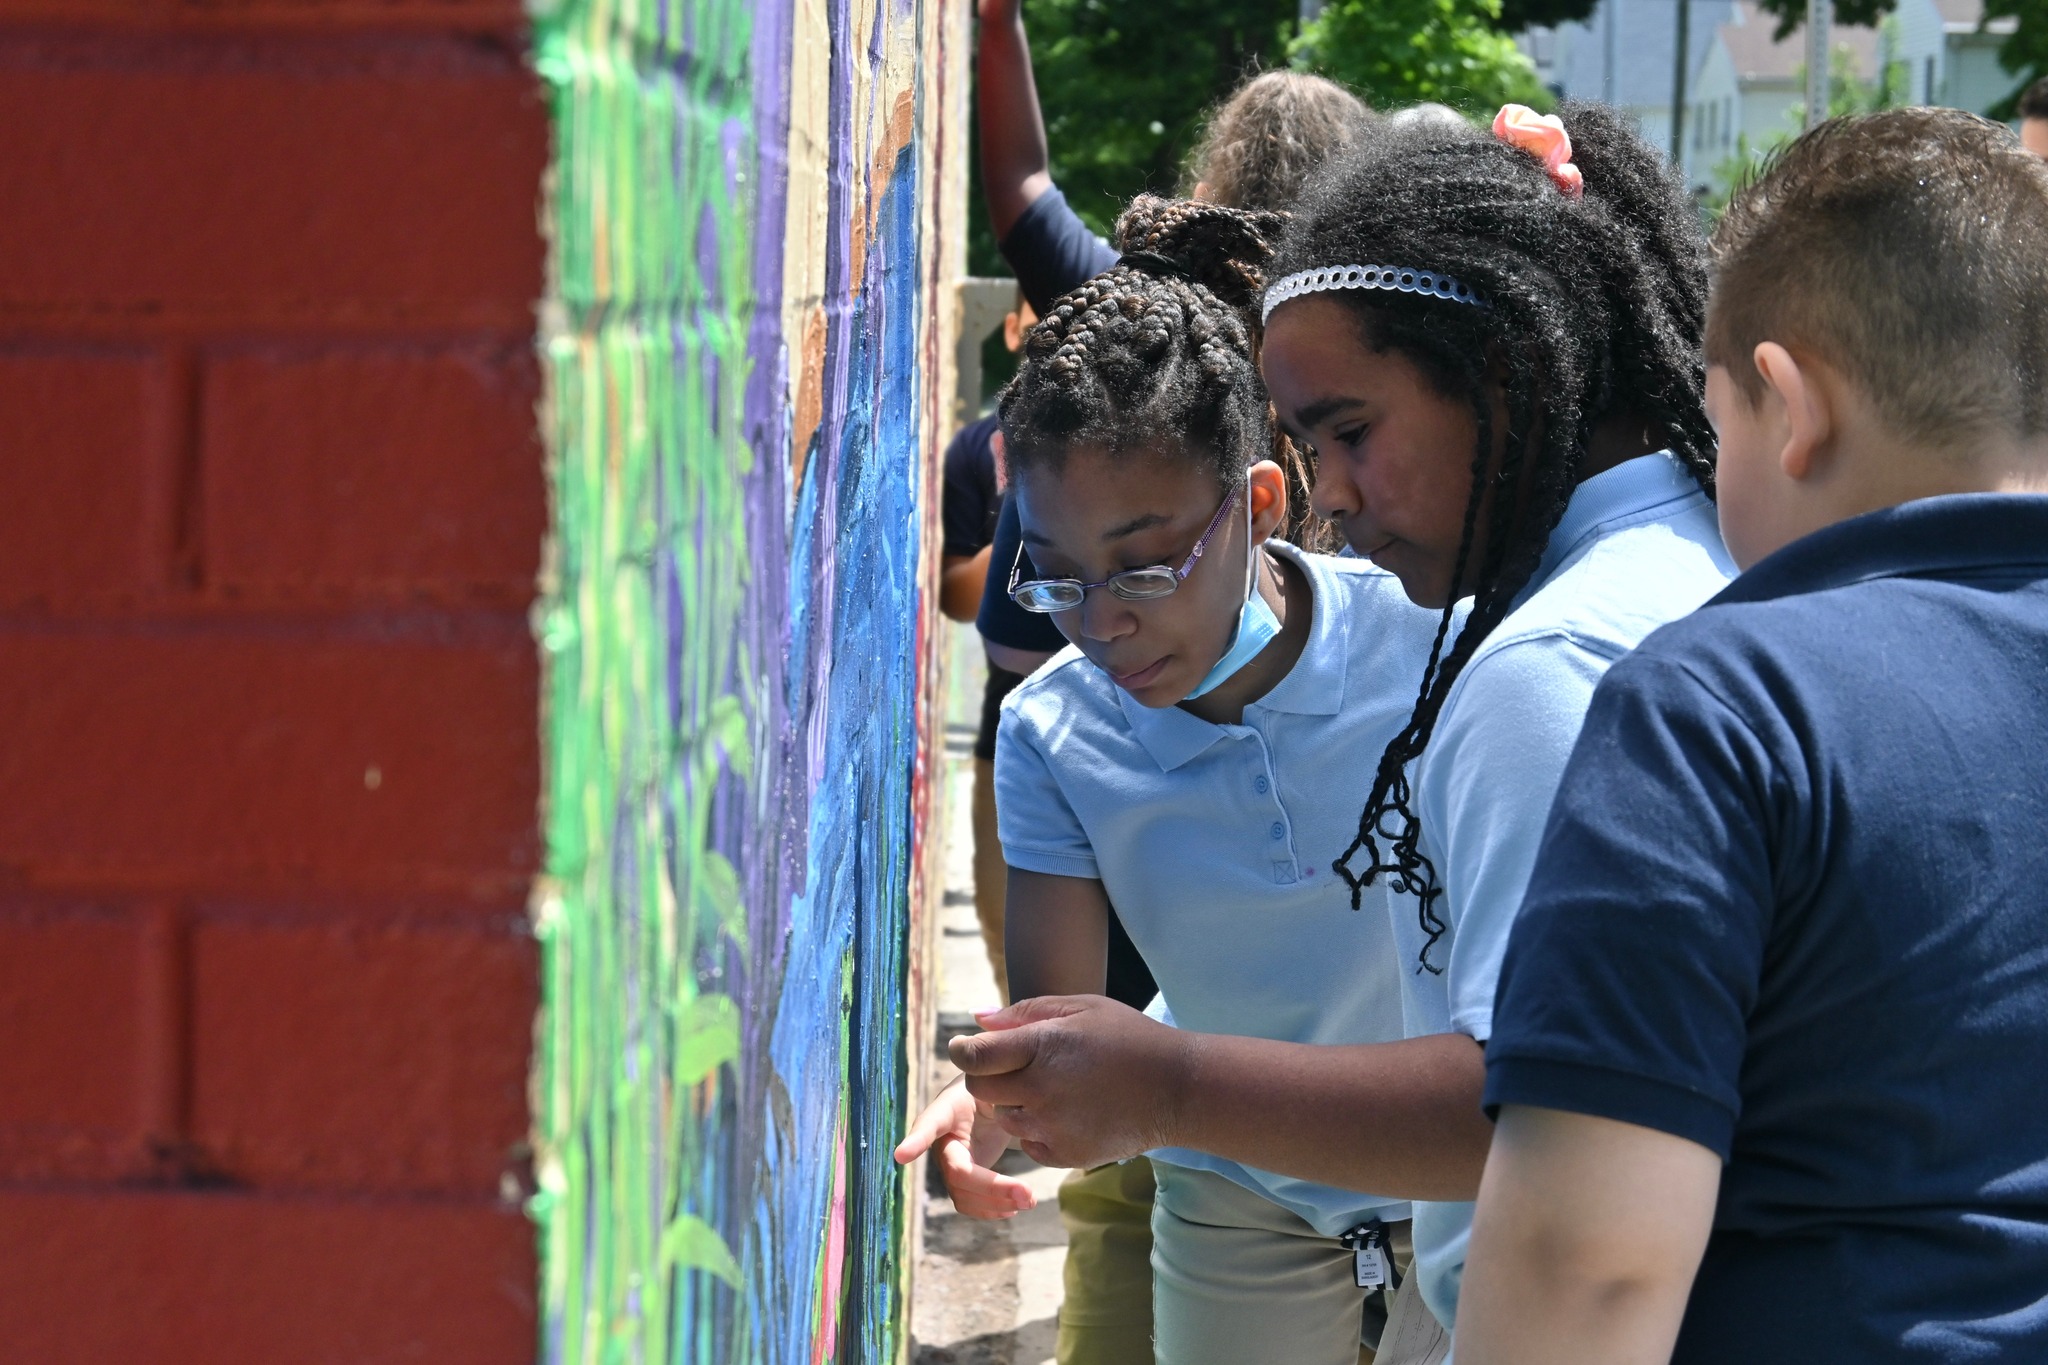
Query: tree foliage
x=1125 y=84
x=1791 y=14
x=2024 y=51
x=1516 y=15
x=1395 y=52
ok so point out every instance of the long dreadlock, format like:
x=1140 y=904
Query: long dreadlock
x=1162 y=344
x=1594 y=310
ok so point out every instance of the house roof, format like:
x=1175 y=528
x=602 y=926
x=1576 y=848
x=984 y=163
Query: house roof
x=1963 y=16
x=1758 y=57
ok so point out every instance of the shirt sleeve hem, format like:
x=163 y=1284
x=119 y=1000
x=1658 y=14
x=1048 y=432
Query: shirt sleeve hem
x=1602 y=1092
x=1051 y=864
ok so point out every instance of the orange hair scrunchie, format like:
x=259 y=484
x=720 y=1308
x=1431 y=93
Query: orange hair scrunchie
x=1543 y=137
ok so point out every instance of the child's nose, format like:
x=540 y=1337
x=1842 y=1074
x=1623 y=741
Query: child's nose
x=1335 y=494
x=1105 y=616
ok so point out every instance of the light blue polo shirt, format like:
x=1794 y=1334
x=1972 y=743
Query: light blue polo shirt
x=1214 y=842
x=1638 y=546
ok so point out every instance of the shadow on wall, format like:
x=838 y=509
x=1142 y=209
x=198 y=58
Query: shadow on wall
x=740 y=685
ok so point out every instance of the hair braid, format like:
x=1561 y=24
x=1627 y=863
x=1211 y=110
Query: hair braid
x=1595 y=309
x=1160 y=354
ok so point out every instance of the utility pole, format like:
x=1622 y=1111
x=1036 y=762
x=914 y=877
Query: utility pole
x=1680 y=66
x=1611 y=58
x=1820 y=24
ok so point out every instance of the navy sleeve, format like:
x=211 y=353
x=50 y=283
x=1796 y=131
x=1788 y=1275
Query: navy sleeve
x=1051 y=251
x=967 y=506
x=1001 y=621
x=1631 y=973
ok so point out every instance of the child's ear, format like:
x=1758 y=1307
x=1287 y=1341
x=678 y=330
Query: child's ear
x=1269 y=499
x=1809 y=416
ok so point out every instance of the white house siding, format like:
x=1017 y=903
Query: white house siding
x=1644 y=32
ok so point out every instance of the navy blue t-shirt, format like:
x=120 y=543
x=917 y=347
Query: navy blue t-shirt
x=1052 y=252
x=972 y=493
x=1792 y=905
x=1001 y=620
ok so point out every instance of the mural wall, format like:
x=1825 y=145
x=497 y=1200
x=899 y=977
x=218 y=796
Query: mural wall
x=755 y=228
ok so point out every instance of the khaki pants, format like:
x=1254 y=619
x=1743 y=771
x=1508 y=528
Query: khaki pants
x=1237 y=1278
x=1107 y=1316
x=991 y=874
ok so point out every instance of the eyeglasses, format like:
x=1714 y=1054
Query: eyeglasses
x=1048 y=595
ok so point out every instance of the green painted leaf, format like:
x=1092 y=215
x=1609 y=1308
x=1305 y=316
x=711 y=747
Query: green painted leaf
x=728 y=725
x=690 y=1243
x=709 y=1037
x=718 y=892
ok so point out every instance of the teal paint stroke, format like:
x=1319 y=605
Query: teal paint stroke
x=733 y=704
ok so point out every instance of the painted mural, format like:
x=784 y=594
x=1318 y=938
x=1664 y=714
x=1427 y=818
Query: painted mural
x=745 y=342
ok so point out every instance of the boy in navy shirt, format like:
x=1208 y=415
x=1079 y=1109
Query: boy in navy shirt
x=1772 y=1031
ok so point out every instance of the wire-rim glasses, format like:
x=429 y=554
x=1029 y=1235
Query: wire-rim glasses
x=1048 y=595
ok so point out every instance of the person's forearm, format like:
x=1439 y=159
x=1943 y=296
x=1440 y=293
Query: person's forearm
x=961 y=582
x=1015 y=165
x=1397 y=1119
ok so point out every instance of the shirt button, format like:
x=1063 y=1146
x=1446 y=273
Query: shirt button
x=1262 y=786
x=1279 y=830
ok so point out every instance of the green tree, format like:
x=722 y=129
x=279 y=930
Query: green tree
x=2025 y=50
x=1516 y=15
x=1848 y=93
x=1125 y=84
x=1397 y=52
x=2023 y=53
x=1792 y=13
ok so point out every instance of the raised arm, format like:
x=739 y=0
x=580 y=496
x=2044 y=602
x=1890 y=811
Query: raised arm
x=1015 y=166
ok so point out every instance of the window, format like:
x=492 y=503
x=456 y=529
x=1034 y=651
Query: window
x=1927 y=95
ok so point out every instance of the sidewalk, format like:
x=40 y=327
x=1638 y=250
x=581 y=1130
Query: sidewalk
x=985 y=1293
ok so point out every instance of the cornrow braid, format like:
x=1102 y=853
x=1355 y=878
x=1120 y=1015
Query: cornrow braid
x=1594 y=311
x=1162 y=343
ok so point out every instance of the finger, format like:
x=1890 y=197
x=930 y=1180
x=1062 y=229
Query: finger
x=935 y=1122
x=966 y=1180
x=962 y=1174
x=1031 y=1011
x=1006 y=1088
x=1039 y=1152
x=985 y=1210
x=987 y=1054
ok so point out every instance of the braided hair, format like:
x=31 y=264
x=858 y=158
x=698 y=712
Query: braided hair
x=1594 y=309
x=1162 y=342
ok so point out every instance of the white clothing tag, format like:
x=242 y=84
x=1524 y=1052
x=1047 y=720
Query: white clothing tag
x=1412 y=1335
x=1370 y=1265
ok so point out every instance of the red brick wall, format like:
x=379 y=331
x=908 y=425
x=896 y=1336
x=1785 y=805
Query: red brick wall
x=271 y=504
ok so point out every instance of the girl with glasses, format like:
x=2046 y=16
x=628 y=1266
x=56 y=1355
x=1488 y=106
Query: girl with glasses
x=1180 y=760
x=1493 y=345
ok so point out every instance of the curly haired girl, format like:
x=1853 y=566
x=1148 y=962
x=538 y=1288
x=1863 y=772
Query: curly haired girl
x=1178 y=760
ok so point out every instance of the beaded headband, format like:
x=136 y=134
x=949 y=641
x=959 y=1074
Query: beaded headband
x=1404 y=279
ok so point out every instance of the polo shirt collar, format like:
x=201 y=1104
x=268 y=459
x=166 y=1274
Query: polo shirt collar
x=1314 y=686
x=1956 y=532
x=1642 y=489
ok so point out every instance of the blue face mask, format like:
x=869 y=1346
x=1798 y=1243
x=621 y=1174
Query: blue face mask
x=1256 y=623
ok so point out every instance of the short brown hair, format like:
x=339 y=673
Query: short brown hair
x=1909 y=251
x=1274 y=131
x=2034 y=100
